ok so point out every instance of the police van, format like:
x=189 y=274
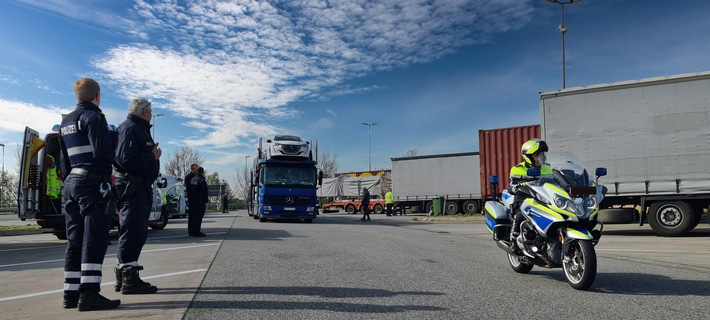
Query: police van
x=175 y=202
x=40 y=188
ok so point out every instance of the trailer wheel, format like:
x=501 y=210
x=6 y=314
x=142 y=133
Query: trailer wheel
x=378 y=209
x=429 y=206
x=471 y=207
x=451 y=207
x=350 y=209
x=617 y=215
x=416 y=209
x=671 y=219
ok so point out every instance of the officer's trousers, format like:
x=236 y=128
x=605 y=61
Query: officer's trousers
x=134 y=212
x=194 y=220
x=87 y=226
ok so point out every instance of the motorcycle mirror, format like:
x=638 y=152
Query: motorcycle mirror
x=600 y=172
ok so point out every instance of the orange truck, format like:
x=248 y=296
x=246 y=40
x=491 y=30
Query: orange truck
x=345 y=190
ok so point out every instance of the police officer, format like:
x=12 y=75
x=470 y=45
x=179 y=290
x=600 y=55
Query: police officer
x=197 y=195
x=533 y=152
x=137 y=166
x=87 y=147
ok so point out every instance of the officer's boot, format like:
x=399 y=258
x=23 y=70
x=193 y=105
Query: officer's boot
x=92 y=300
x=71 y=299
x=514 y=238
x=132 y=283
x=119 y=279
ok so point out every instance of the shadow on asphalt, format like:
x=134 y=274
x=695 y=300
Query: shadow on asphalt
x=323 y=292
x=636 y=284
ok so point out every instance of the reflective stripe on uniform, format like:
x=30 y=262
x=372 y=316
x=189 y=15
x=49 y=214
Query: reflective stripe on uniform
x=90 y=267
x=79 y=150
x=72 y=274
x=71 y=287
x=91 y=279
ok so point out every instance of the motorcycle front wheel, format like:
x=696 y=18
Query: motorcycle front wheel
x=580 y=264
x=517 y=265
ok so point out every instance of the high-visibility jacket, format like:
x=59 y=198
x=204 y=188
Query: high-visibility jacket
x=388 y=197
x=520 y=171
x=53 y=184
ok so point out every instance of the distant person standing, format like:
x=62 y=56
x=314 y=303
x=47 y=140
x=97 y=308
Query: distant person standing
x=188 y=186
x=197 y=195
x=225 y=204
x=365 y=204
x=137 y=166
x=188 y=177
x=87 y=147
x=389 y=203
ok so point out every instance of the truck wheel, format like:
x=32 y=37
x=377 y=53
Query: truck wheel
x=378 y=209
x=617 y=215
x=263 y=219
x=62 y=235
x=471 y=207
x=160 y=225
x=416 y=209
x=350 y=209
x=671 y=219
x=429 y=206
x=451 y=207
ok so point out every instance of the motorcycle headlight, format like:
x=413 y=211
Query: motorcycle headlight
x=591 y=203
x=564 y=203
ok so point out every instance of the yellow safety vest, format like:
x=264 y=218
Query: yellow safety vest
x=53 y=184
x=388 y=197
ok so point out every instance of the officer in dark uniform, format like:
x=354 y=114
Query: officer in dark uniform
x=197 y=195
x=87 y=146
x=137 y=166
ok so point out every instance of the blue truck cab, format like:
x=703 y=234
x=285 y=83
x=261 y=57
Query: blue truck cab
x=284 y=188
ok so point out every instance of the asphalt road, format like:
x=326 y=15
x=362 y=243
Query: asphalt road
x=389 y=268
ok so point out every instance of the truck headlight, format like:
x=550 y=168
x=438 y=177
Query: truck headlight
x=310 y=209
x=267 y=208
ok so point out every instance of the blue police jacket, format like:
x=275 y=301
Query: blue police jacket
x=86 y=141
x=134 y=153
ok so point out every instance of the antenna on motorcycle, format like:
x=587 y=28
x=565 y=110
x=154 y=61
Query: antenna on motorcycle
x=494 y=186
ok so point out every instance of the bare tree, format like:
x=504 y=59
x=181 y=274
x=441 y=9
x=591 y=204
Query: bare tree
x=328 y=163
x=242 y=183
x=411 y=153
x=179 y=162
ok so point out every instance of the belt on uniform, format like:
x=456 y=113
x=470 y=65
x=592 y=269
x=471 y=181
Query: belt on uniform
x=89 y=174
x=131 y=178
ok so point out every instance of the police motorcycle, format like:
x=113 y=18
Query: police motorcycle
x=560 y=227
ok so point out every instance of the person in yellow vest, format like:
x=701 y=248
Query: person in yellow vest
x=533 y=152
x=389 y=203
x=53 y=184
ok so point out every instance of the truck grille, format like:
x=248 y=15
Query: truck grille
x=283 y=201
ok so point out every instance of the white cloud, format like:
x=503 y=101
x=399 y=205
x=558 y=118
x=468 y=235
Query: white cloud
x=234 y=66
x=14 y=116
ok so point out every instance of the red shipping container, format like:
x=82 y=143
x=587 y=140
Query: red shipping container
x=499 y=151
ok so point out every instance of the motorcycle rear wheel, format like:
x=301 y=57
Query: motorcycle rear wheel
x=517 y=265
x=580 y=264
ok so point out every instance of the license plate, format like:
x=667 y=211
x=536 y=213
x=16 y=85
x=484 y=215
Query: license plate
x=290 y=209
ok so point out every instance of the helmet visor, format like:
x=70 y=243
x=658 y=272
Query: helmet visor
x=542 y=157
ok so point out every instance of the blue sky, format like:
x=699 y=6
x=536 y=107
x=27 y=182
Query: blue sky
x=431 y=73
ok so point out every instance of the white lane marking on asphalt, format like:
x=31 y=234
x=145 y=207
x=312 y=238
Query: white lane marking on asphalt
x=108 y=255
x=36 y=294
x=33 y=248
x=636 y=250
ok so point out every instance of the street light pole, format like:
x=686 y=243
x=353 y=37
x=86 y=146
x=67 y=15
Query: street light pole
x=563 y=30
x=246 y=162
x=369 y=143
x=2 y=178
x=155 y=116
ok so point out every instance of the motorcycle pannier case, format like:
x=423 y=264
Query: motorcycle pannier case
x=498 y=222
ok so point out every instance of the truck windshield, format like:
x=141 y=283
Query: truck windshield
x=289 y=176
